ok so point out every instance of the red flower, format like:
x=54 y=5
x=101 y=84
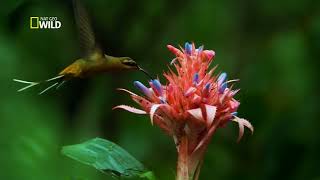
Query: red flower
x=191 y=106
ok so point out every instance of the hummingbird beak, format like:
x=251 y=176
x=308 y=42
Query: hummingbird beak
x=145 y=72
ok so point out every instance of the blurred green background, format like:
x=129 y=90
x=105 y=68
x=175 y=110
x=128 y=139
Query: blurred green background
x=271 y=45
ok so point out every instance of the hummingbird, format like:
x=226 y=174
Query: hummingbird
x=94 y=60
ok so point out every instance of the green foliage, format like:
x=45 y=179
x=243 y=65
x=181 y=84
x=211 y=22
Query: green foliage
x=107 y=157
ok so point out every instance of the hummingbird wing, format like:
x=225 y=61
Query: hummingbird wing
x=89 y=47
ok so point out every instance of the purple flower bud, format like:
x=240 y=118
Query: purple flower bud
x=207 y=86
x=188 y=48
x=200 y=49
x=234 y=113
x=156 y=85
x=206 y=89
x=222 y=78
x=222 y=87
x=143 y=88
x=221 y=82
x=196 y=78
x=162 y=100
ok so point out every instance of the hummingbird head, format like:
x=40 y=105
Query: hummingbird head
x=131 y=64
x=128 y=63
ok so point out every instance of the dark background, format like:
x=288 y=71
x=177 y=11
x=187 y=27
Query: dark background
x=271 y=45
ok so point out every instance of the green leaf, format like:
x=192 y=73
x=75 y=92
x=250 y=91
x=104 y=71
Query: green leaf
x=148 y=175
x=107 y=157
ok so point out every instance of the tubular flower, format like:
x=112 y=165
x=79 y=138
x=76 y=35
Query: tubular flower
x=190 y=106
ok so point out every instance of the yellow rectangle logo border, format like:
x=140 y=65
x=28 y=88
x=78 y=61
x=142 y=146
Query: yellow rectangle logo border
x=37 y=20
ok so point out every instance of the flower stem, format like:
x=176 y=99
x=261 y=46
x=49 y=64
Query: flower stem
x=188 y=165
x=182 y=164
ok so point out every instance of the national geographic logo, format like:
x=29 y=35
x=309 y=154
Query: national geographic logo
x=44 y=23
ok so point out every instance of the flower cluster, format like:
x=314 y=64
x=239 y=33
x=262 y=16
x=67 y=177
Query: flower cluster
x=191 y=105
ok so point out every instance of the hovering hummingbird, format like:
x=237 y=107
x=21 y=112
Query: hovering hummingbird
x=93 y=62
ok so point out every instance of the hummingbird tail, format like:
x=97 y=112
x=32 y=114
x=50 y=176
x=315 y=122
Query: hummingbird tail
x=59 y=81
x=30 y=84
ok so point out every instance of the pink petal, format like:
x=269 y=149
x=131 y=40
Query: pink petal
x=209 y=53
x=173 y=61
x=196 y=113
x=234 y=92
x=242 y=123
x=142 y=102
x=153 y=110
x=131 y=93
x=200 y=83
x=175 y=51
x=232 y=80
x=130 y=109
x=163 y=123
x=241 y=131
x=196 y=99
x=234 y=104
x=247 y=124
x=211 y=113
x=190 y=91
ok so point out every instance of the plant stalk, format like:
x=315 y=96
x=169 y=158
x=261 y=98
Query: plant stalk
x=188 y=164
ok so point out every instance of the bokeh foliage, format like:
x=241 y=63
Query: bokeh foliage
x=272 y=46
